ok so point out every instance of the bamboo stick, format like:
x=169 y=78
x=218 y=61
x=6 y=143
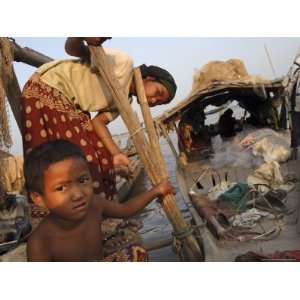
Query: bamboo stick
x=99 y=62
x=149 y=124
x=167 y=137
x=178 y=137
x=168 y=204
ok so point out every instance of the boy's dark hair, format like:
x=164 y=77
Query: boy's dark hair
x=44 y=155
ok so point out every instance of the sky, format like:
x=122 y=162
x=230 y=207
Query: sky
x=180 y=56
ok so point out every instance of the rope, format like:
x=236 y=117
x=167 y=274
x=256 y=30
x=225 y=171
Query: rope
x=180 y=235
x=135 y=132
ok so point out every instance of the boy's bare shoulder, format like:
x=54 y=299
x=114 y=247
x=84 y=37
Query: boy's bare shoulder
x=42 y=231
x=37 y=244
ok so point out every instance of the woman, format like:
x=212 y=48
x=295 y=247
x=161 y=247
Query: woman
x=59 y=97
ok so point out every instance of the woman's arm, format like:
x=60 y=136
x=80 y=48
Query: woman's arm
x=75 y=46
x=99 y=124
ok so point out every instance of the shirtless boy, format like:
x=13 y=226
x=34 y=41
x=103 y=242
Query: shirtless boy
x=57 y=177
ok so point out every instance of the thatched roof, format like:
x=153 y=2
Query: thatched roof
x=217 y=82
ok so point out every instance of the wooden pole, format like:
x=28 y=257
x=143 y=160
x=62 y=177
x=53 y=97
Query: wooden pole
x=29 y=56
x=13 y=91
x=13 y=94
x=167 y=137
x=270 y=60
x=148 y=156
x=149 y=124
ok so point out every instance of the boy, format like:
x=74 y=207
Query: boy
x=58 y=178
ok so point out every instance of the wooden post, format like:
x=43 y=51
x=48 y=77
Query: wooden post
x=151 y=163
x=13 y=94
x=29 y=56
x=13 y=91
x=167 y=137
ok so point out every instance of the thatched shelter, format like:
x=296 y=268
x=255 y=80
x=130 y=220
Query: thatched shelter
x=218 y=82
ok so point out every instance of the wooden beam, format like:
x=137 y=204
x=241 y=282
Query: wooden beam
x=29 y=56
x=13 y=90
x=13 y=94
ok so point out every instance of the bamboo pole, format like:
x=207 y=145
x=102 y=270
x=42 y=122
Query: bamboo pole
x=169 y=202
x=167 y=137
x=151 y=163
x=178 y=137
x=149 y=124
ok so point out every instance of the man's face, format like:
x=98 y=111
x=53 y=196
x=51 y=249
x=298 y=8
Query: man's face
x=156 y=93
x=68 y=189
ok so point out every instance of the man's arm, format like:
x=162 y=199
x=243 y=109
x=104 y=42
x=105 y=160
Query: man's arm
x=37 y=250
x=132 y=206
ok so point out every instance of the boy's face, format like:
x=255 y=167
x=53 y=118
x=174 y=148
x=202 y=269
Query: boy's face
x=68 y=189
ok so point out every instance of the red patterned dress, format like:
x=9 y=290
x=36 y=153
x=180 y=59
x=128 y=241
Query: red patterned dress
x=48 y=115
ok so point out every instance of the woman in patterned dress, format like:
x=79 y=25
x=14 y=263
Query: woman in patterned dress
x=57 y=102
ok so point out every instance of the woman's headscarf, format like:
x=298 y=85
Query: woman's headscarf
x=162 y=76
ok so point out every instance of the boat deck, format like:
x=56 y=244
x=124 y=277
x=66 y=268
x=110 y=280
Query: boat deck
x=288 y=236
